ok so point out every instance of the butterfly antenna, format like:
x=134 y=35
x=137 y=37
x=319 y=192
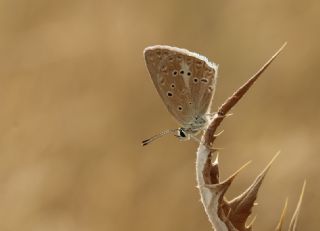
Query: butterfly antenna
x=155 y=137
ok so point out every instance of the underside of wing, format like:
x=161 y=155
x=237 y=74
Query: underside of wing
x=184 y=80
x=202 y=85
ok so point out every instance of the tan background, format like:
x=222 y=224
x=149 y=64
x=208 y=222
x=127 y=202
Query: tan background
x=76 y=101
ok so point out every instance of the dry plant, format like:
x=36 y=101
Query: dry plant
x=231 y=215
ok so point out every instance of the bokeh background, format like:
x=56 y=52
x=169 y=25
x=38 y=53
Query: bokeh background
x=76 y=100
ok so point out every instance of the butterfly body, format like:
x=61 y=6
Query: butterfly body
x=186 y=83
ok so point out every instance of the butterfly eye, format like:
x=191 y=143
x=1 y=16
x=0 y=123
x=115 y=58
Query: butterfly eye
x=169 y=94
x=173 y=86
x=189 y=73
x=180 y=108
x=174 y=73
x=195 y=80
x=182 y=133
x=181 y=72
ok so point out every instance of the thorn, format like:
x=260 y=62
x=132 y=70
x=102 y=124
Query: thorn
x=212 y=149
x=252 y=221
x=245 y=201
x=217 y=149
x=242 y=167
x=238 y=94
x=218 y=134
x=294 y=220
x=216 y=161
x=228 y=213
x=272 y=160
x=283 y=213
x=224 y=116
x=229 y=179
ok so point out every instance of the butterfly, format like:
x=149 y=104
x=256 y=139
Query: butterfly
x=186 y=84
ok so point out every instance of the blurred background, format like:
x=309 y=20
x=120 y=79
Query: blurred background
x=76 y=100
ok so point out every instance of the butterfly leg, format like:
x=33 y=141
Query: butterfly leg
x=196 y=139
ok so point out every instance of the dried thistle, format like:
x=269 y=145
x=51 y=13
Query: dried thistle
x=223 y=214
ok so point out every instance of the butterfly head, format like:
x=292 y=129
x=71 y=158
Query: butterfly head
x=182 y=134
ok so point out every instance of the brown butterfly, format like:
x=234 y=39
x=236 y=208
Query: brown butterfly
x=186 y=83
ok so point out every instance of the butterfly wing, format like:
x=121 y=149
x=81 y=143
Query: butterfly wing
x=202 y=84
x=184 y=80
